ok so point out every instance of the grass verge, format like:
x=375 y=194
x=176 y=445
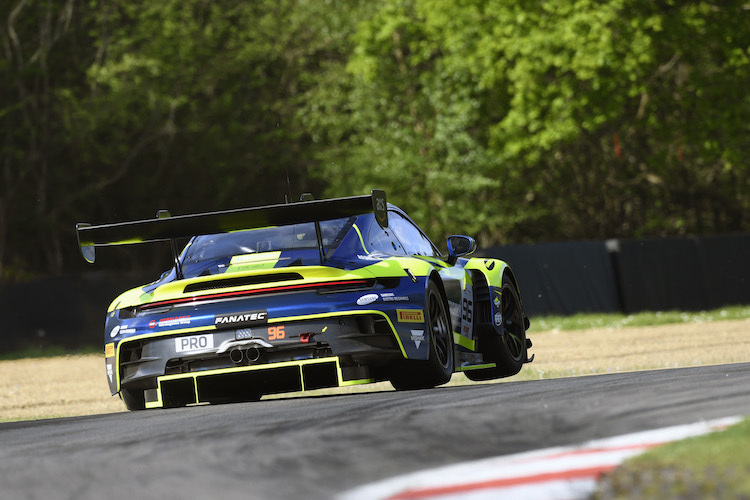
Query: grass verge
x=617 y=321
x=716 y=465
x=48 y=352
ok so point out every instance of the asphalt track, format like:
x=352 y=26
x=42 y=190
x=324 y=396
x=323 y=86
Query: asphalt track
x=317 y=447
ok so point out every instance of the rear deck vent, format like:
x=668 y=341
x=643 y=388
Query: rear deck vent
x=241 y=281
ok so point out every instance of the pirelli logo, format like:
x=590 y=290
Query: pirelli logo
x=109 y=350
x=410 y=315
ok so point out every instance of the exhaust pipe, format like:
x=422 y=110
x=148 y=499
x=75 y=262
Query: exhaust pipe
x=252 y=354
x=236 y=356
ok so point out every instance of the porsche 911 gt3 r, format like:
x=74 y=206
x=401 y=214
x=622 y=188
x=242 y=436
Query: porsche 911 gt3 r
x=303 y=296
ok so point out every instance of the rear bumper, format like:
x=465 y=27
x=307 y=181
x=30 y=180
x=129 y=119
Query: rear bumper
x=247 y=383
x=356 y=338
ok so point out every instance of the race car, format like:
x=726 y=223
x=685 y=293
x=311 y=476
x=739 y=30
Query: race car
x=302 y=296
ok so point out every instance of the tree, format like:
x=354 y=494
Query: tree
x=41 y=48
x=392 y=118
x=187 y=105
x=575 y=119
x=512 y=121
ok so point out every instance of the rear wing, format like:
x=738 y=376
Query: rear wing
x=165 y=228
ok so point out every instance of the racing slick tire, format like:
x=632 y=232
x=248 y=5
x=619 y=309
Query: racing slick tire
x=508 y=350
x=438 y=368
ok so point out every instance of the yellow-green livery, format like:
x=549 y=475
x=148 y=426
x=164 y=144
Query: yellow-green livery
x=301 y=296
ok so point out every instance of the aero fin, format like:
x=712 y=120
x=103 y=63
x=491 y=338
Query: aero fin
x=380 y=207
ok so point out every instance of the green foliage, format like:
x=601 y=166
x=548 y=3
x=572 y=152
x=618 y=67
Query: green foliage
x=712 y=466
x=585 y=321
x=187 y=105
x=511 y=121
x=405 y=125
x=567 y=119
x=202 y=96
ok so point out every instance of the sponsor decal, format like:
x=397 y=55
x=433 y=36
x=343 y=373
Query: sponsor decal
x=259 y=317
x=380 y=208
x=109 y=350
x=390 y=297
x=174 y=321
x=167 y=322
x=123 y=331
x=417 y=336
x=110 y=372
x=374 y=256
x=410 y=315
x=379 y=204
x=367 y=299
x=193 y=343
x=114 y=331
x=498 y=319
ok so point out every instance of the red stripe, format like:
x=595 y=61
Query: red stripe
x=567 y=475
x=588 y=451
x=591 y=472
x=522 y=480
x=201 y=298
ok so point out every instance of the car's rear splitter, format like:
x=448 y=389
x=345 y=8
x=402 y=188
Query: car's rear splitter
x=248 y=383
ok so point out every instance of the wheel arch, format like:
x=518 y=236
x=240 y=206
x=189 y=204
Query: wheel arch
x=492 y=269
x=495 y=270
x=435 y=276
x=512 y=277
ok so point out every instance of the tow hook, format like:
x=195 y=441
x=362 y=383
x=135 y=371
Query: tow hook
x=528 y=346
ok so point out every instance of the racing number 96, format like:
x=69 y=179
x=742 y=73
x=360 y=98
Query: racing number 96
x=467 y=308
x=276 y=332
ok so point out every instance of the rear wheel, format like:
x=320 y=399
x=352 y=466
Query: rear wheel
x=438 y=368
x=508 y=350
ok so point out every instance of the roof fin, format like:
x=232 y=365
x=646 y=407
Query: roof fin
x=164 y=214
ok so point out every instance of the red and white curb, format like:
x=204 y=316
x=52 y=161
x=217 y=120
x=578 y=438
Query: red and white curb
x=568 y=472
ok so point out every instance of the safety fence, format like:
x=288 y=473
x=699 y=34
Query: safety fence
x=555 y=278
x=629 y=276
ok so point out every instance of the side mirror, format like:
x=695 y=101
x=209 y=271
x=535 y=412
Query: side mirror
x=458 y=246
